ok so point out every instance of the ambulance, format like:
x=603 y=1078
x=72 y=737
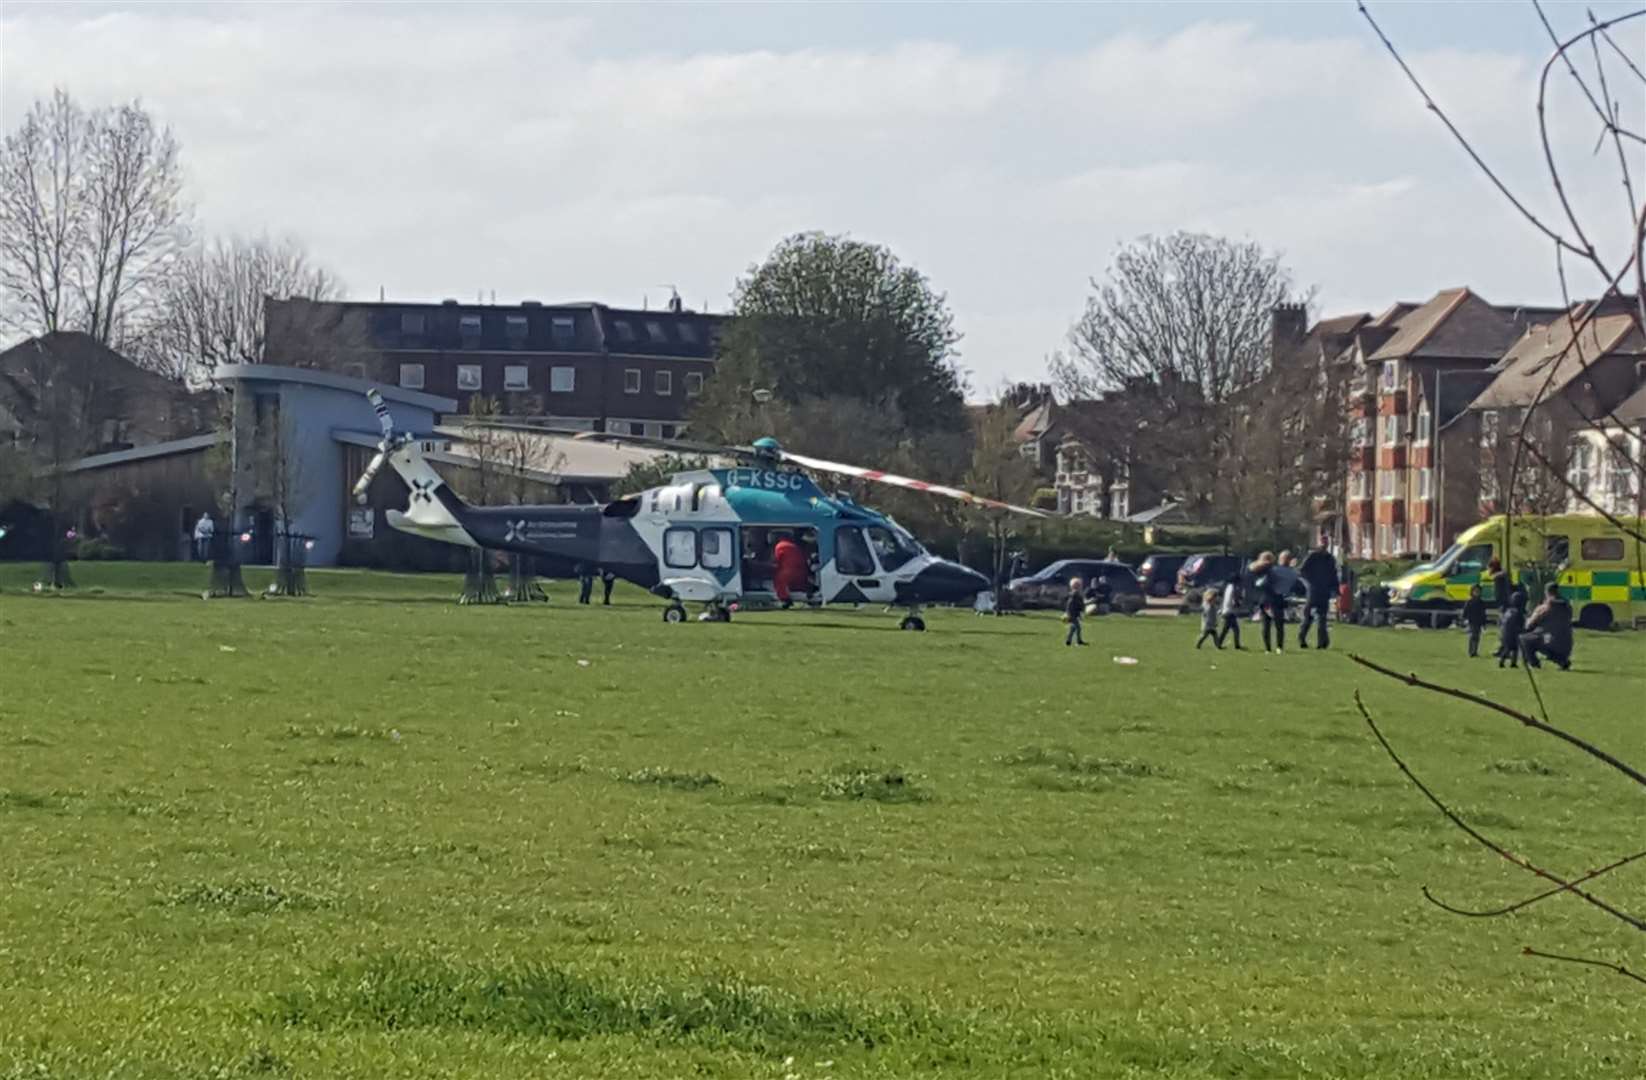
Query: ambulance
x=1601 y=569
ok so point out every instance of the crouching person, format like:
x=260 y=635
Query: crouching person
x=1549 y=631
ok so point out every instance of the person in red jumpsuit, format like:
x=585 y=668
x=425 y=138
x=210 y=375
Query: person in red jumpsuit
x=790 y=569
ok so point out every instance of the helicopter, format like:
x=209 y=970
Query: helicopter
x=707 y=535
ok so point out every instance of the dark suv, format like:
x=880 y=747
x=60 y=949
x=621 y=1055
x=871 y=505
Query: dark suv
x=1203 y=572
x=1049 y=586
x=1158 y=574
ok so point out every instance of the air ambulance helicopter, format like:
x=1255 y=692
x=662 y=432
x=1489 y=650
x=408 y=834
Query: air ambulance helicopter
x=707 y=536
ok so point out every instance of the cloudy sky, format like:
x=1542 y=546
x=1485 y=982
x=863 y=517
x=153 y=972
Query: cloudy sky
x=565 y=152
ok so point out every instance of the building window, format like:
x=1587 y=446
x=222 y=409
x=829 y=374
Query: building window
x=1360 y=485
x=411 y=322
x=563 y=330
x=1425 y=483
x=625 y=330
x=1361 y=432
x=1391 y=375
x=1581 y=470
x=667 y=431
x=1621 y=477
x=687 y=332
x=631 y=381
x=694 y=383
x=654 y=330
x=1364 y=541
x=1386 y=486
x=1391 y=430
x=1425 y=422
x=515 y=326
x=562 y=380
x=663 y=383
x=1383 y=539
x=411 y=376
x=469 y=327
x=468 y=376
x=516 y=377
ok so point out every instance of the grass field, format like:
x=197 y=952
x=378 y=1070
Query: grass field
x=373 y=834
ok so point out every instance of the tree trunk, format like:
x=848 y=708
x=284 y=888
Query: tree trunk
x=226 y=579
x=523 y=586
x=291 y=557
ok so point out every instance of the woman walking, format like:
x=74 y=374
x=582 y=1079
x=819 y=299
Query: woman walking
x=1271 y=600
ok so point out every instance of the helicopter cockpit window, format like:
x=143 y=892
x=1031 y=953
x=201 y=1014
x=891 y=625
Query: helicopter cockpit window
x=680 y=548
x=851 y=553
x=893 y=549
x=716 y=545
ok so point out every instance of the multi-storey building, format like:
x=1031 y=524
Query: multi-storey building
x=1418 y=366
x=577 y=366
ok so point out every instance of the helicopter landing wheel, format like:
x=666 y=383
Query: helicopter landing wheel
x=674 y=613
x=912 y=622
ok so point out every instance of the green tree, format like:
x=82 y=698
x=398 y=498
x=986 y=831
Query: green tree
x=831 y=317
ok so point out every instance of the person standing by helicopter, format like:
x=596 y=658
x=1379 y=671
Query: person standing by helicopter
x=585 y=582
x=789 y=571
x=607 y=580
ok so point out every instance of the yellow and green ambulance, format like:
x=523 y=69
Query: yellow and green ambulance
x=1601 y=568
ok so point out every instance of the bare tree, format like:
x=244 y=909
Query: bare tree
x=287 y=496
x=1538 y=437
x=211 y=308
x=526 y=457
x=999 y=471
x=1181 y=327
x=482 y=483
x=92 y=216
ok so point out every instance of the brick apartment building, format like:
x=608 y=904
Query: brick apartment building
x=1416 y=368
x=576 y=366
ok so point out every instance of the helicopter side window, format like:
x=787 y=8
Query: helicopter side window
x=891 y=548
x=716 y=548
x=851 y=553
x=680 y=548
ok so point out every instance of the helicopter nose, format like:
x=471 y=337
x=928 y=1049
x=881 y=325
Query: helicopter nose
x=945 y=582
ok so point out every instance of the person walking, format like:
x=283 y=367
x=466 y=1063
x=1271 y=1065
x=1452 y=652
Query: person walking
x=204 y=529
x=1230 y=612
x=1474 y=618
x=1073 y=608
x=1509 y=627
x=1319 y=572
x=585 y=582
x=1208 y=620
x=1549 y=631
x=607 y=580
x=1271 y=588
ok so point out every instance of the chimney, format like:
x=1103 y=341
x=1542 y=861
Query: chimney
x=1288 y=324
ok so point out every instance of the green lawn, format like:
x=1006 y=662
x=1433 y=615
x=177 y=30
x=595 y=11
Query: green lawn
x=374 y=834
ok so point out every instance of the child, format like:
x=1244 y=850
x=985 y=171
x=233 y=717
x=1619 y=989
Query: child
x=1208 y=619
x=1073 y=609
x=1509 y=628
x=1230 y=611
x=1474 y=617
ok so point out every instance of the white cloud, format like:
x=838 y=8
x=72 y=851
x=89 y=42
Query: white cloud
x=437 y=151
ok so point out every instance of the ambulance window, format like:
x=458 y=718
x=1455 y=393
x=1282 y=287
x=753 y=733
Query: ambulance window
x=851 y=554
x=1556 y=550
x=1602 y=549
x=680 y=548
x=1473 y=560
x=890 y=547
x=717 y=548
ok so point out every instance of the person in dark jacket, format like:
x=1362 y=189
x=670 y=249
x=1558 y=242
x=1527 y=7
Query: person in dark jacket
x=607 y=580
x=1270 y=587
x=1073 y=608
x=1549 y=631
x=585 y=582
x=1319 y=571
x=1509 y=626
x=1474 y=618
x=1502 y=589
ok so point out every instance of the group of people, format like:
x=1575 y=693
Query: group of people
x=1546 y=632
x=586 y=573
x=1273 y=580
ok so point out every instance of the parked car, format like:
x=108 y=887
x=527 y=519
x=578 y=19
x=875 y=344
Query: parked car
x=1158 y=574
x=1049 y=586
x=1208 y=571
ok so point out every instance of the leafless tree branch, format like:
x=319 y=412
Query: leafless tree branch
x=1608 y=965
x=1529 y=901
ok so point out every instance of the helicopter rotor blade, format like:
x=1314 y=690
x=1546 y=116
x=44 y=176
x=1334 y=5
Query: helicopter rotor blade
x=860 y=473
x=679 y=446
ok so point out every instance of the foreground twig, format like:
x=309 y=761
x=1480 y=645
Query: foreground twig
x=1608 y=965
x=1514 y=714
x=1529 y=901
x=1482 y=839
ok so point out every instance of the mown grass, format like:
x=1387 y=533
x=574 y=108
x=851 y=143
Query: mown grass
x=386 y=836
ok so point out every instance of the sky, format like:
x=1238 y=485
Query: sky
x=609 y=152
